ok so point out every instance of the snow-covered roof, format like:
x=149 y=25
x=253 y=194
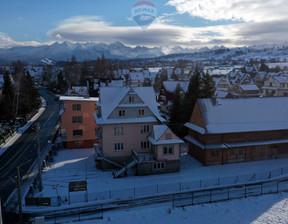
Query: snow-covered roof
x=244 y=114
x=221 y=94
x=136 y=76
x=112 y=96
x=170 y=86
x=281 y=79
x=78 y=98
x=249 y=87
x=158 y=132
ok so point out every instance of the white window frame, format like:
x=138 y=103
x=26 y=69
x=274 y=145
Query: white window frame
x=118 y=146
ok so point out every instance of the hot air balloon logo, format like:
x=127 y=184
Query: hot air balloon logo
x=144 y=13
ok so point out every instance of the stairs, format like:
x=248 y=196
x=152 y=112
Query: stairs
x=124 y=169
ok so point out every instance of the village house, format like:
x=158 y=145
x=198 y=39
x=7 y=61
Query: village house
x=166 y=94
x=238 y=129
x=222 y=84
x=276 y=86
x=131 y=133
x=249 y=90
x=78 y=127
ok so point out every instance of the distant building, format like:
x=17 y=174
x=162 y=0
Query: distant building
x=276 y=86
x=131 y=133
x=238 y=129
x=248 y=90
x=78 y=127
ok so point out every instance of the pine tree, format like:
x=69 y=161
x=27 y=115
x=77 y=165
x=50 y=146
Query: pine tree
x=193 y=93
x=28 y=95
x=176 y=111
x=208 y=88
x=6 y=104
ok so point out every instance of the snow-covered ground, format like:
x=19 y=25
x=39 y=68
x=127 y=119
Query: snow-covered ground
x=267 y=209
x=79 y=165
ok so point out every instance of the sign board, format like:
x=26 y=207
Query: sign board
x=78 y=186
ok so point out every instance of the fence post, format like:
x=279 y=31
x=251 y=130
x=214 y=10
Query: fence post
x=245 y=191
x=228 y=193
x=210 y=196
x=173 y=201
x=180 y=186
x=200 y=183
x=54 y=217
x=236 y=179
x=134 y=191
x=110 y=194
x=277 y=186
x=192 y=198
x=261 y=188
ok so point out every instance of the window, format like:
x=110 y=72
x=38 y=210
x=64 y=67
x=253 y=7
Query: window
x=145 y=129
x=118 y=130
x=118 y=146
x=121 y=113
x=77 y=132
x=77 y=119
x=141 y=112
x=159 y=166
x=168 y=150
x=76 y=106
x=145 y=145
x=215 y=153
x=131 y=99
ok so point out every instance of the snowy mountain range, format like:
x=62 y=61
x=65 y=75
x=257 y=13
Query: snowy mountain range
x=91 y=51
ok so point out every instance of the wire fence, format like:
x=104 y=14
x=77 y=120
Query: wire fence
x=150 y=190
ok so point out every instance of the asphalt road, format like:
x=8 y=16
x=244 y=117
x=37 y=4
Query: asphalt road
x=23 y=152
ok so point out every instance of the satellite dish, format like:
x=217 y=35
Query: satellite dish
x=144 y=13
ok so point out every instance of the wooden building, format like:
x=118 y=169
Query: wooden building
x=238 y=129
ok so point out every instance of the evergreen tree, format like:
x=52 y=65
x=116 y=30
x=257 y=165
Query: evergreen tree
x=263 y=67
x=176 y=111
x=208 y=86
x=28 y=95
x=7 y=99
x=193 y=93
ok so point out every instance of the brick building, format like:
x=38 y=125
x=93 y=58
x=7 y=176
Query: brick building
x=238 y=129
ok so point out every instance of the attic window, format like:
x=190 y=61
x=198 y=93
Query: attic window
x=131 y=99
x=121 y=113
x=141 y=112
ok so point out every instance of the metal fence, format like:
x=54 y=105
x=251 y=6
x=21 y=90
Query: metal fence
x=180 y=199
x=176 y=187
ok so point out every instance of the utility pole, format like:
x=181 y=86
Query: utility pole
x=19 y=194
x=38 y=155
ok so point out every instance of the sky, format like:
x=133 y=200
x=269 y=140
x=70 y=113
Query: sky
x=185 y=23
